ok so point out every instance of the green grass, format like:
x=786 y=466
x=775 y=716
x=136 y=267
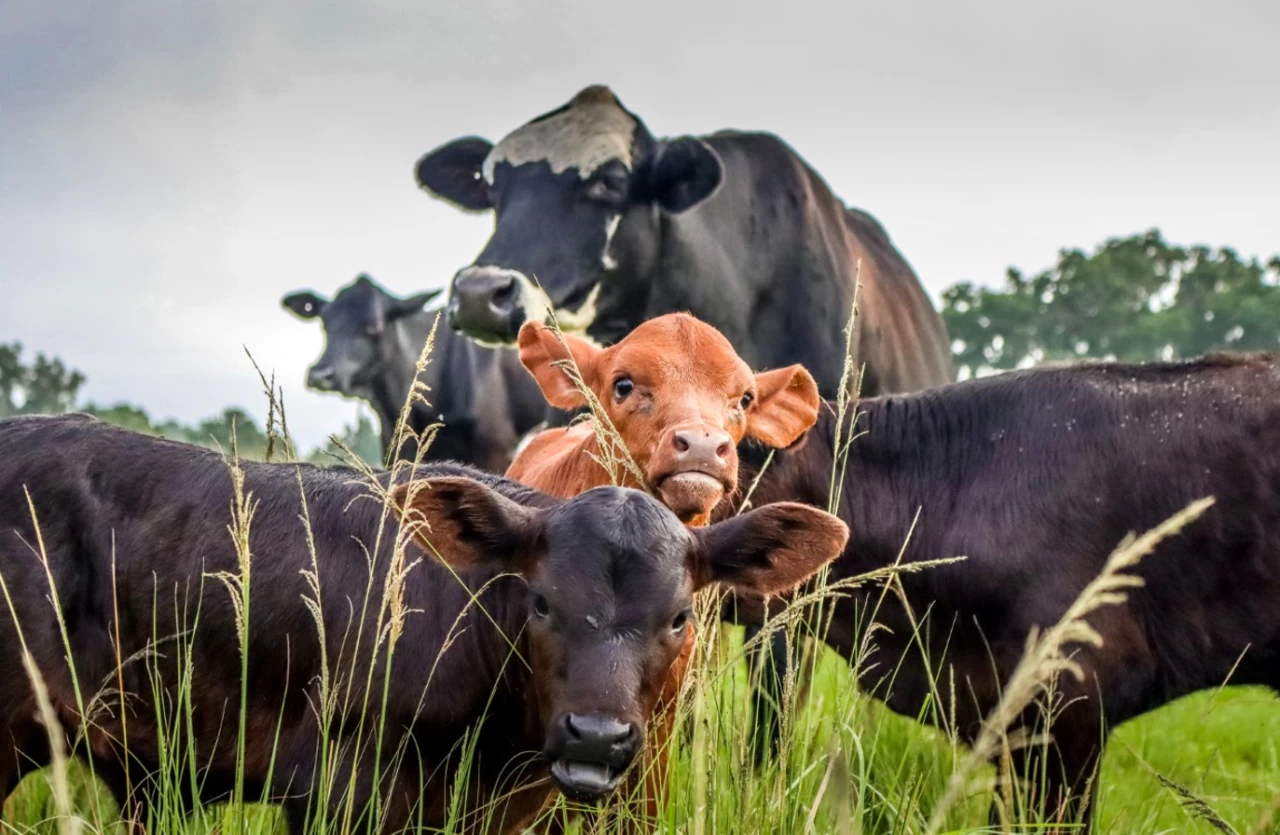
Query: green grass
x=1223 y=745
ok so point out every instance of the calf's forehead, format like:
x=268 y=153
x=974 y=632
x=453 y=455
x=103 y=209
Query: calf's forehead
x=617 y=544
x=679 y=352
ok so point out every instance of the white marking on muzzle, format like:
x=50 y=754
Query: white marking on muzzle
x=610 y=228
x=580 y=319
x=537 y=307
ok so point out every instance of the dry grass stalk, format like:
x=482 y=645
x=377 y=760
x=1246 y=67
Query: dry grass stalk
x=1046 y=658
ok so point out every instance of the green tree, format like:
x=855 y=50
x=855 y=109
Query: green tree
x=124 y=414
x=363 y=439
x=1135 y=298
x=45 y=387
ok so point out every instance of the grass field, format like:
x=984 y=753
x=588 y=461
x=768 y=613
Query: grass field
x=1223 y=746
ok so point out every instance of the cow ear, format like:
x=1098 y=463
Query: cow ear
x=684 y=173
x=786 y=406
x=454 y=172
x=466 y=524
x=305 y=305
x=544 y=354
x=768 y=550
x=400 y=308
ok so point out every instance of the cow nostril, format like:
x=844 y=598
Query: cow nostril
x=596 y=729
x=681 y=442
x=503 y=296
x=722 y=451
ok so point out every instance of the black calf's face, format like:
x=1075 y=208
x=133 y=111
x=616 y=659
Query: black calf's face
x=576 y=195
x=355 y=325
x=611 y=576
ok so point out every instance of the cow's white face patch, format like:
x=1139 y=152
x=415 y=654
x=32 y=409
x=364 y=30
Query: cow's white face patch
x=592 y=131
x=610 y=229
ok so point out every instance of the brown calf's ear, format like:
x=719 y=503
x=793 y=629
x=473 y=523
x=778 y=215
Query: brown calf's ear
x=544 y=355
x=769 y=550
x=786 y=406
x=465 y=523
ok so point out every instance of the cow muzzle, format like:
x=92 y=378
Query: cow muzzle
x=489 y=304
x=694 y=469
x=590 y=753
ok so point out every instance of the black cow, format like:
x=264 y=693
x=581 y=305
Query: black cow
x=1035 y=477
x=606 y=226
x=549 y=644
x=485 y=398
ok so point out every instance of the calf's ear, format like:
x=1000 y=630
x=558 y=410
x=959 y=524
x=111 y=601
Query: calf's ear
x=466 y=524
x=769 y=550
x=546 y=357
x=305 y=305
x=684 y=172
x=454 y=172
x=786 y=406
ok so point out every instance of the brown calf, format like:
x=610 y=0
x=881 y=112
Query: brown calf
x=681 y=399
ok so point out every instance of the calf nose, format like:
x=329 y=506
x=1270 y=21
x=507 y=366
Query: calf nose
x=589 y=732
x=485 y=303
x=321 y=377
x=696 y=445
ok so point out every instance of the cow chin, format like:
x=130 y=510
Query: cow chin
x=585 y=782
x=691 y=495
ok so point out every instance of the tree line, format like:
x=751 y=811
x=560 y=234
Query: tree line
x=1133 y=298
x=45 y=385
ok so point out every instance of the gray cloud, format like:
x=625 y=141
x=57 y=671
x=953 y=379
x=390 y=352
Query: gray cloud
x=168 y=171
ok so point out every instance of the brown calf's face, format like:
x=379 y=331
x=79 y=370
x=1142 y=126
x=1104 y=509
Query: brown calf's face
x=681 y=398
x=611 y=575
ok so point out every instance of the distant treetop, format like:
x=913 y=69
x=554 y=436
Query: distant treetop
x=1135 y=298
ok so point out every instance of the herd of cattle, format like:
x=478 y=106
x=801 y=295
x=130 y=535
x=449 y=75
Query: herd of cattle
x=557 y=608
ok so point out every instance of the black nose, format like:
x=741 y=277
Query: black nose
x=486 y=303
x=598 y=737
x=321 y=377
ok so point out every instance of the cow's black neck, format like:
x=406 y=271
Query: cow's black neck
x=401 y=346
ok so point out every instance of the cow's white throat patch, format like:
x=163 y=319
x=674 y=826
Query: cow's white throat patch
x=593 y=130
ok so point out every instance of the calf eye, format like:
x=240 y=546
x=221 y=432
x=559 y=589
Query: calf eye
x=622 y=387
x=678 y=624
x=540 y=607
x=746 y=400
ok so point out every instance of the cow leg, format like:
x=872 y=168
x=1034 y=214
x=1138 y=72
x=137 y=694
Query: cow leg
x=129 y=791
x=351 y=789
x=767 y=665
x=1054 y=780
x=26 y=749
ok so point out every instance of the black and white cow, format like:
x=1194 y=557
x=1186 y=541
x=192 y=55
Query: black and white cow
x=484 y=397
x=603 y=226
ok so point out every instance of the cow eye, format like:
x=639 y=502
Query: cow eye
x=607 y=187
x=540 y=607
x=678 y=624
x=622 y=387
x=746 y=401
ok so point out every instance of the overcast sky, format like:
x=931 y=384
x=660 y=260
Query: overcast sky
x=168 y=171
